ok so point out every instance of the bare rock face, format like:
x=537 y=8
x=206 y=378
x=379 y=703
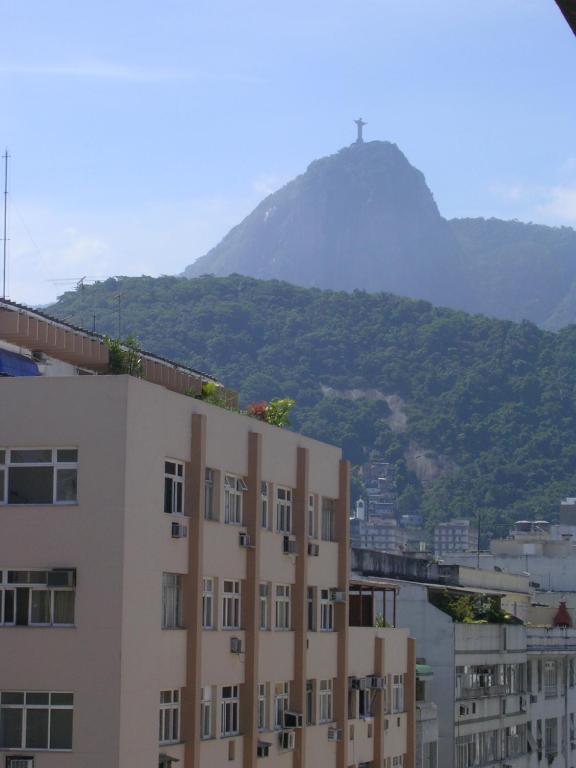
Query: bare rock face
x=362 y=218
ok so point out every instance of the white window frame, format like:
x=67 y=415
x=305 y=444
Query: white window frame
x=283 y=607
x=207 y=602
x=550 y=679
x=283 y=509
x=206 y=713
x=26 y=707
x=281 y=703
x=230 y=711
x=169 y=725
x=9 y=585
x=328 y=514
x=6 y=464
x=234 y=488
x=172 y=601
x=175 y=481
x=397 y=694
x=326 y=701
x=326 y=611
x=210 y=512
x=310 y=701
x=264 y=605
x=312 y=515
x=231 y=604
x=262 y=707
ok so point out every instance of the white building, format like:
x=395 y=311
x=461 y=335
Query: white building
x=457 y=535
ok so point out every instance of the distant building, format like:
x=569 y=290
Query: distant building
x=457 y=535
x=377 y=533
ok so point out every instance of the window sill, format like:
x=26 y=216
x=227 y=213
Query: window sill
x=42 y=504
x=173 y=629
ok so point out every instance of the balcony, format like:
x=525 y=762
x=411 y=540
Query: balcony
x=426 y=710
x=483 y=692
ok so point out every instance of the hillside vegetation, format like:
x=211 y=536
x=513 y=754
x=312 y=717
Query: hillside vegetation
x=488 y=404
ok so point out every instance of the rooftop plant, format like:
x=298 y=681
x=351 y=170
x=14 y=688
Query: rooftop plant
x=471 y=608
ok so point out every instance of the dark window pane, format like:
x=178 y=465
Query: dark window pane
x=168 y=495
x=2 y=484
x=36 y=699
x=30 y=485
x=68 y=454
x=9 y=606
x=64 y=607
x=37 y=729
x=40 y=607
x=169 y=467
x=66 y=485
x=61 y=729
x=12 y=698
x=178 y=498
x=10 y=728
x=62 y=699
x=27 y=577
x=2 y=457
x=31 y=457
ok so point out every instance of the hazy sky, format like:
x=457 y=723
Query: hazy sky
x=140 y=132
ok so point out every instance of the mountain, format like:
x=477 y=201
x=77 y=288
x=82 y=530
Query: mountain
x=478 y=414
x=362 y=218
x=365 y=218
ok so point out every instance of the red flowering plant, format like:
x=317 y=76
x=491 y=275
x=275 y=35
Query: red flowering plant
x=258 y=410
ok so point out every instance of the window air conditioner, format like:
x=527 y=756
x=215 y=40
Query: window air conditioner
x=235 y=645
x=313 y=549
x=19 y=762
x=287 y=739
x=533 y=698
x=61 y=577
x=263 y=749
x=293 y=720
x=337 y=596
x=179 y=531
x=244 y=539
x=358 y=683
x=334 y=734
x=289 y=546
x=377 y=682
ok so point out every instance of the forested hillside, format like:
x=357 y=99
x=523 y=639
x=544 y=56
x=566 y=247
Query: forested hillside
x=478 y=414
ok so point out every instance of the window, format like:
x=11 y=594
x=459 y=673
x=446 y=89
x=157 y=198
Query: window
x=37 y=598
x=233 y=494
x=38 y=476
x=550 y=680
x=264 y=505
x=309 y=702
x=551 y=735
x=311 y=603
x=281 y=698
x=264 y=595
x=229 y=723
x=169 y=730
x=398 y=693
x=328 y=519
x=171 y=601
x=312 y=523
x=206 y=713
x=262 y=707
x=282 y=607
x=208 y=603
x=36 y=720
x=326 y=611
x=365 y=703
x=173 y=488
x=284 y=510
x=231 y=605
x=571 y=672
x=325 y=702
x=210 y=494
x=430 y=754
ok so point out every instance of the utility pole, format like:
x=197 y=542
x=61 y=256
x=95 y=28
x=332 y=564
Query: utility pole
x=5 y=238
x=119 y=316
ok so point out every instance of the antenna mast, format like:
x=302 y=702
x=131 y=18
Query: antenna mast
x=5 y=238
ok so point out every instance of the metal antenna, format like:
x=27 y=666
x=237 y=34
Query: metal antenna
x=5 y=239
x=119 y=297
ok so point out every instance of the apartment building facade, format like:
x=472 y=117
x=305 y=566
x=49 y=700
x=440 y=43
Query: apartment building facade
x=455 y=536
x=175 y=589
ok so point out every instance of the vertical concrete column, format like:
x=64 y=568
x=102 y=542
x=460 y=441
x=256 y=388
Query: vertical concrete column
x=194 y=508
x=299 y=604
x=410 y=704
x=380 y=704
x=341 y=611
x=251 y=615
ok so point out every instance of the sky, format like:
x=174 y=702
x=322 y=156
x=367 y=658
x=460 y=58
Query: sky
x=140 y=132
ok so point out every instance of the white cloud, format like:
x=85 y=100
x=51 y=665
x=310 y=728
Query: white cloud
x=560 y=207
x=544 y=204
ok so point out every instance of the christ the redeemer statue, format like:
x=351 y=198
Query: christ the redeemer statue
x=360 y=125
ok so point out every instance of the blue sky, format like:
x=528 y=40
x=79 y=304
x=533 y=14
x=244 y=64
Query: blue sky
x=140 y=132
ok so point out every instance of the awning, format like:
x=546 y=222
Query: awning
x=424 y=670
x=13 y=364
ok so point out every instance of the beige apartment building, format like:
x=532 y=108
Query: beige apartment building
x=174 y=588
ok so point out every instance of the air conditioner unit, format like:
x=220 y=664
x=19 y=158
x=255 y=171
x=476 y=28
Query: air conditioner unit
x=61 y=577
x=19 y=762
x=293 y=720
x=358 y=683
x=334 y=734
x=313 y=549
x=533 y=698
x=377 y=682
x=337 y=596
x=287 y=739
x=289 y=546
x=243 y=539
x=179 y=531
x=235 y=645
x=263 y=749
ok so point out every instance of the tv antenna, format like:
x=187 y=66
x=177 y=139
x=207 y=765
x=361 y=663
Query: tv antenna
x=5 y=237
